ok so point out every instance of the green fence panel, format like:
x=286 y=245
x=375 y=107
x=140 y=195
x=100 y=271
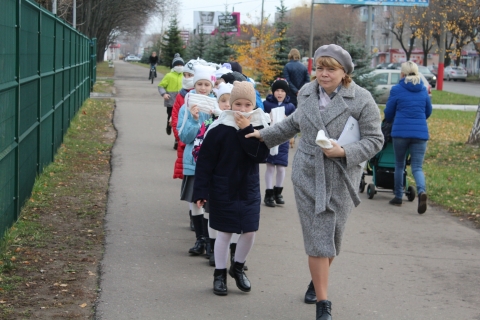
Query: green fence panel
x=45 y=76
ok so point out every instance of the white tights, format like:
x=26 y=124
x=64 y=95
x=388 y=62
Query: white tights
x=270 y=172
x=222 y=244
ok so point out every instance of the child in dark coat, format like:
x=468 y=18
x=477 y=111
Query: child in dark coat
x=227 y=174
x=279 y=106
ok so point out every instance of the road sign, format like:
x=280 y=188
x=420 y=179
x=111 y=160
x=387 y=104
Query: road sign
x=402 y=3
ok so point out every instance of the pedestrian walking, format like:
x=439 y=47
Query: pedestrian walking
x=227 y=177
x=326 y=179
x=278 y=105
x=408 y=108
x=296 y=75
x=190 y=118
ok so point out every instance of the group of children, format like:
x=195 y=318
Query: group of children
x=211 y=108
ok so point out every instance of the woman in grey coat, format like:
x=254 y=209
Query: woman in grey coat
x=326 y=180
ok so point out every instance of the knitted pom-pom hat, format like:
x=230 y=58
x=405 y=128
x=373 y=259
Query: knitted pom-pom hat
x=177 y=60
x=243 y=90
x=223 y=88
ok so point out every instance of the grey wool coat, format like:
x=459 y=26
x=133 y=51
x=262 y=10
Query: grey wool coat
x=326 y=189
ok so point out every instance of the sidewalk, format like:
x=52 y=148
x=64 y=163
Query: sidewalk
x=395 y=264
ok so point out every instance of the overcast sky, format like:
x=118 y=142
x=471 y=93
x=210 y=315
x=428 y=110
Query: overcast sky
x=245 y=7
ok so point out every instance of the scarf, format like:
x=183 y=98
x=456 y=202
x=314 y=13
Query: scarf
x=258 y=118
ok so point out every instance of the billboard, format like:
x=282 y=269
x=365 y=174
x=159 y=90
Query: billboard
x=211 y=22
x=402 y=3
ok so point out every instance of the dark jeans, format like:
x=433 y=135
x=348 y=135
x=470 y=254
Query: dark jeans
x=417 y=150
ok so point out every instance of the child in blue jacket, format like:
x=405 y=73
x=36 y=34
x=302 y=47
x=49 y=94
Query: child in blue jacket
x=278 y=158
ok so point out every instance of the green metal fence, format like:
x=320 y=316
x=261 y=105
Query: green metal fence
x=45 y=76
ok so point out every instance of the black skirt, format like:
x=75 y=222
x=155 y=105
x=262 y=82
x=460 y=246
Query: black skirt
x=186 y=193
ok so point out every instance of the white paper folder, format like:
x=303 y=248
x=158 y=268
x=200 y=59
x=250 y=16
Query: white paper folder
x=350 y=133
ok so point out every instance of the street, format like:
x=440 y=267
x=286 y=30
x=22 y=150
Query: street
x=394 y=264
x=467 y=88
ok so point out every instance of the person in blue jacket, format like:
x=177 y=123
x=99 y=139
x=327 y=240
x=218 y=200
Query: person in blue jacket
x=189 y=121
x=227 y=175
x=409 y=107
x=277 y=159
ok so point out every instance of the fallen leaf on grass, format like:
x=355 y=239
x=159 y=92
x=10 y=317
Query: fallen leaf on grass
x=64 y=285
x=83 y=305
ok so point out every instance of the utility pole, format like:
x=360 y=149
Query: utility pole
x=74 y=14
x=310 y=46
x=369 y=29
x=54 y=6
x=441 y=57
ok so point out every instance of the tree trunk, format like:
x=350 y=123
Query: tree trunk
x=474 y=137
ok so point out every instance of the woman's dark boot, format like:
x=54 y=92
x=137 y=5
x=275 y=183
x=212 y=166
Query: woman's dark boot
x=211 y=260
x=220 y=282
x=310 y=295
x=208 y=249
x=269 y=198
x=233 y=248
x=324 y=310
x=199 y=247
x=278 y=195
x=236 y=272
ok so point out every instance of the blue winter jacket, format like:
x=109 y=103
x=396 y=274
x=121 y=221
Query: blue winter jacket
x=271 y=103
x=188 y=134
x=408 y=107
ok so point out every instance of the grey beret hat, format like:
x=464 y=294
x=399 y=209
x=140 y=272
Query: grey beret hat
x=336 y=52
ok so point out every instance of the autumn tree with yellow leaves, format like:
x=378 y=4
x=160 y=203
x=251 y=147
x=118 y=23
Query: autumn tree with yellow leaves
x=257 y=57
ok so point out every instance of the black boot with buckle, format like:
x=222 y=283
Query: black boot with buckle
x=236 y=272
x=324 y=310
x=220 y=282
x=277 y=191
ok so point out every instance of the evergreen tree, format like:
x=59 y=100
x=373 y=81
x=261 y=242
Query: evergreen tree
x=282 y=47
x=172 y=43
x=198 y=46
x=362 y=61
x=220 y=48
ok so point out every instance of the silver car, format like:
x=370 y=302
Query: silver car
x=132 y=58
x=455 y=73
x=385 y=79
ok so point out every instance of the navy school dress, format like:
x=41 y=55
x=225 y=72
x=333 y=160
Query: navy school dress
x=271 y=103
x=227 y=176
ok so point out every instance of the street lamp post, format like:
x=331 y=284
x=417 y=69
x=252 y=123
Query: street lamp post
x=310 y=47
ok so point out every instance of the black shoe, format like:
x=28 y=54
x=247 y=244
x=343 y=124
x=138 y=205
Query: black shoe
x=310 y=295
x=277 y=191
x=396 y=202
x=192 y=227
x=198 y=248
x=169 y=129
x=269 y=198
x=220 y=282
x=175 y=145
x=422 y=203
x=324 y=310
x=236 y=271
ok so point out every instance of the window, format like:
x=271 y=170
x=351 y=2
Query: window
x=395 y=77
x=381 y=79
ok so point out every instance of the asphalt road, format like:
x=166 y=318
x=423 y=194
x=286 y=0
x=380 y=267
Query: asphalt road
x=395 y=264
x=468 y=88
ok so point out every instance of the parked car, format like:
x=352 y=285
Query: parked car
x=433 y=69
x=455 y=73
x=395 y=65
x=431 y=78
x=382 y=65
x=385 y=79
x=132 y=58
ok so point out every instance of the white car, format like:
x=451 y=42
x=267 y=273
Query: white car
x=132 y=58
x=385 y=79
x=455 y=73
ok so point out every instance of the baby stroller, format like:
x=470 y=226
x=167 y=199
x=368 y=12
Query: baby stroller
x=382 y=168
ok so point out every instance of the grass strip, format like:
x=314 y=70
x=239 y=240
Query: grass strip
x=49 y=257
x=443 y=97
x=103 y=70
